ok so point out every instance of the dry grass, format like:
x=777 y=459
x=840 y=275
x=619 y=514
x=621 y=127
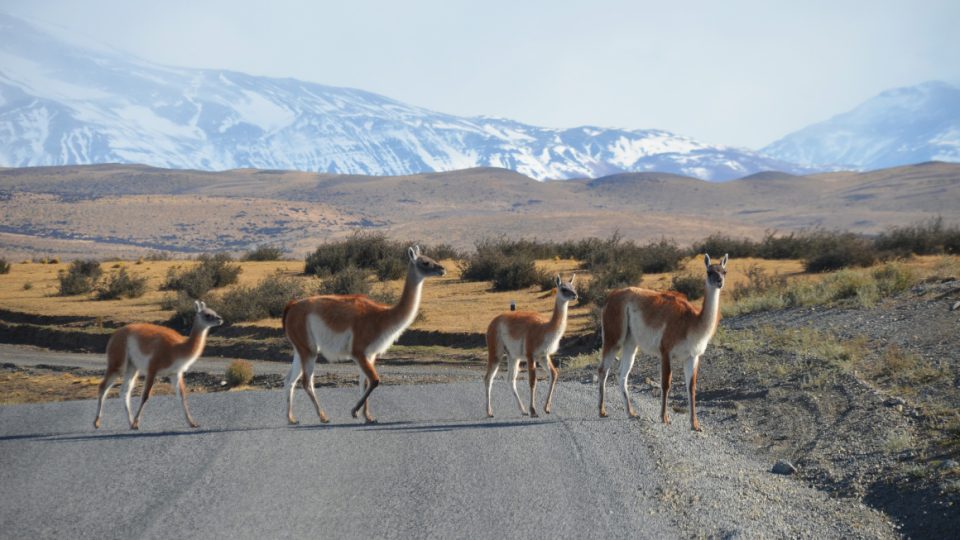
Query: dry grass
x=449 y=304
x=41 y=386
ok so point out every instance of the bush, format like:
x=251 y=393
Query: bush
x=691 y=285
x=445 y=251
x=121 y=284
x=925 y=238
x=239 y=372
x=836 y=251
x=350 y=280
x=507 y=264
x=183 y=308
x=718 y=244
x=4 y=266
x=213 y=271
x=517 y=273
x=655 y=257
x=264 y=252
x=361 y=250
x=266 y=299
x=27 y=286
x=80 y=277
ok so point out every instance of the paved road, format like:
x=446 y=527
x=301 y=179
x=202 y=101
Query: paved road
x=434 y=467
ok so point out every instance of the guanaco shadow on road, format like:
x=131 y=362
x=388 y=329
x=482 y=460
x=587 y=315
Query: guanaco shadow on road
x=456 y=426
x=401 y=425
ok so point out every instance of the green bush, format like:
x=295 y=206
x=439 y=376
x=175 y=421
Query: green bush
x=4 y=266
x=211 y=272
x=239 y=372
x=266 y=299
x=184 y=309
x=80 y=277
x=507 y=264
x=265 y=252
x=925 y=238
x=363 y=250
x=836 y=251
x=121 y=284
x=691 y=285
x=517 y=273
x=620 y=255
x=350 y=280
x=719 y=244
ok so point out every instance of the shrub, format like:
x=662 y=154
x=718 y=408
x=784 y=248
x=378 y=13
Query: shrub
x=693 y=286
x=350 y=280
x=80 y=277
x=213 y=271
x=925 y=238
x=4 y=266
x=392 y=268
x=183 y=308
x=361 y=250
x=788 y=246
x=830 y=252
x=264 y=252
x=655 y=257
x=238 y=373
x=266 y=299
x=27 y=286
x=893 y=278
x=718 y=244
x=517 y=273
x=121 y=284
x=444 y=251
x=507 y=264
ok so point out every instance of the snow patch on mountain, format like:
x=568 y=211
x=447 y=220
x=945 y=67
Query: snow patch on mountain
x=64 y=101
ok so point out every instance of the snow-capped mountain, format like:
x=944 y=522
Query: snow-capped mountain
x=67 y=100
x=898 y=127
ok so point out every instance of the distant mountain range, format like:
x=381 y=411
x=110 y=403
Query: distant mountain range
x=66 y=100
x=900 y=126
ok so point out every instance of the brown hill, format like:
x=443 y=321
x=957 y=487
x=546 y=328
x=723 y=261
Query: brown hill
x=128 y=209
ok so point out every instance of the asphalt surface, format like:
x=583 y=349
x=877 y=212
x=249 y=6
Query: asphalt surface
x=434 y=466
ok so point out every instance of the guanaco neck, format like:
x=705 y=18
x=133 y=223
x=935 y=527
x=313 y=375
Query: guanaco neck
x=406 y=308
x=193 y=346
x=710 y=312
x=558 y=320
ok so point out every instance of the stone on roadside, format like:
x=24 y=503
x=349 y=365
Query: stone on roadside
x=783 y=467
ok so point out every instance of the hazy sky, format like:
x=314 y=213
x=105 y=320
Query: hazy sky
x=723 y=71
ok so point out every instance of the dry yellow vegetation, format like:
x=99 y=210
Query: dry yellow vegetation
x=449 y=304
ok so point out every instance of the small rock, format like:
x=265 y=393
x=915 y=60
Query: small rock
x=949 y=464
x=955 y=306
x=223 y=383
x=894 y=401
x=783 y=467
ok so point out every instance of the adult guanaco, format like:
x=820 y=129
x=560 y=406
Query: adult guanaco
x=663 y=323
x=155 y=351
x=350 y=326
x=525 y=334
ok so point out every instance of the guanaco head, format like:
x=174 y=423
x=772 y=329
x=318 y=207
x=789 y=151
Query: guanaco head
x=206 y=317
x=566 y=291
x=716 y=273
x=425 y=266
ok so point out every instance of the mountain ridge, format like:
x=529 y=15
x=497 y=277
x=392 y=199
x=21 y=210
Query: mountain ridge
x=64 y=103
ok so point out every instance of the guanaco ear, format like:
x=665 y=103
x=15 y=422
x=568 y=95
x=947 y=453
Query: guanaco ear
x=723 y=262
x=417 y=249
x=196 y=303
x=706 y=259
x=412 y=253
x=557 y=279
x=573 y=278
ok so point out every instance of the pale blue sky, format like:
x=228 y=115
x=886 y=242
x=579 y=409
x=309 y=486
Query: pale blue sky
x=732 y=72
